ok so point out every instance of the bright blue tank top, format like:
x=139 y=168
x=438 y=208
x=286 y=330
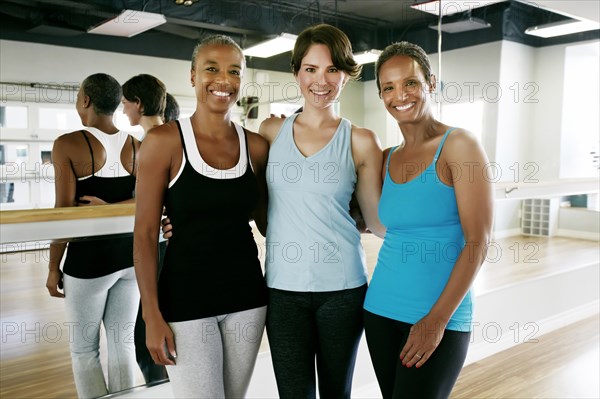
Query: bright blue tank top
x=312 y=242
x=423 y=241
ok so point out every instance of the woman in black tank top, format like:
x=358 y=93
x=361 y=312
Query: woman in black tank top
x=96 y=166
x=210 y=176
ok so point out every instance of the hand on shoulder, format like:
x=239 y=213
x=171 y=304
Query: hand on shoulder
x=270 y=127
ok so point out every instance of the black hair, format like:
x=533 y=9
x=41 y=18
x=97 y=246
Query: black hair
x=104 y=92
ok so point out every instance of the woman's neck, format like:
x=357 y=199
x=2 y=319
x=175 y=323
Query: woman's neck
x=319 y=116
x=415 y=133
x=148 y=122
x=104 y=123
x=211 y=123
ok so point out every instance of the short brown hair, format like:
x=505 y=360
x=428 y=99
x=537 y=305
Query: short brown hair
x=336 y=41
x=150 y=91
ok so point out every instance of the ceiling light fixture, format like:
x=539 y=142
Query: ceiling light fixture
x=561 y=28
x=366 y=57
x=280 y=44
x=186 y=2
x=450 y=7
x=462 y=26
x=129 y=23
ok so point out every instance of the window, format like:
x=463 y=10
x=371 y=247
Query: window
x=13 y=116
x=59 y=118
x=467 y=115
x=122 y=123
x=580 y=131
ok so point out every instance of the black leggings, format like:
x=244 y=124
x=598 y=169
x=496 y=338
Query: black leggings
x=435 y=379
x=302 y=325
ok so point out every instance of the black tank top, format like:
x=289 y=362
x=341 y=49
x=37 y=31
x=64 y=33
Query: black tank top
x=100 y=256
x=211 y=266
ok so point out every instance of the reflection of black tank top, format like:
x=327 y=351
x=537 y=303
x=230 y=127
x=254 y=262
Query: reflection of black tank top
x=100 y=256
x=211 y=265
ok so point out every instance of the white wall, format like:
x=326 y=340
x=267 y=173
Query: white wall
x=545 y=132
x=580 y=123
x=475 y=80
x=32 y=62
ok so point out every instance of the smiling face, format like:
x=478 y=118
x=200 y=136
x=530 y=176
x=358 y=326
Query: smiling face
x=404 y=89
x=217 y=76
x=132 y=110
x=320 y=81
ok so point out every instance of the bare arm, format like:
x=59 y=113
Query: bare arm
x=155 y=160
x=270 y=127
x=259 y=152
x=64 y=188
x=474 y=198
x=368 y=159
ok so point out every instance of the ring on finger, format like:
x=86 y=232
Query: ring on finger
x=419 y=356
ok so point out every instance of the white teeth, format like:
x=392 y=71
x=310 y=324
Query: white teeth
x=220 y=93
x=404 y=107
x=320 y=93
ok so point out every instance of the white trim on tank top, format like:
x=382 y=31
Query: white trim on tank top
x=198 y=163
x=113 y=154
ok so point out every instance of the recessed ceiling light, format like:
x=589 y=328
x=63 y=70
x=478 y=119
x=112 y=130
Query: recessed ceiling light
x=280 y=44
x=366 y=57
x=129 y=23
x=450 y=7
x=462 y=26
x=561 y=28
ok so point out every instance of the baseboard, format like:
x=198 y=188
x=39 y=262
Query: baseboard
x=506 y=233
x=583 y=235
x=481 y=350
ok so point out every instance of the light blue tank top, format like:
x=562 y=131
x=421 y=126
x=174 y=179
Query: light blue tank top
x=312 y=242
x=423 y=241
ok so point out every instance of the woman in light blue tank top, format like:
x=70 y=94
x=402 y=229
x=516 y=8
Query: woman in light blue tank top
x=437 y=207
x=315 y=264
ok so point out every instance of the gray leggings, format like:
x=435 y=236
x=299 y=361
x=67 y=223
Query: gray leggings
x=112 y=300
x=216 y=355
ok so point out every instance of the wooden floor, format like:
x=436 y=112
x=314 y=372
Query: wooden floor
x=35 y=361
x=562 y=364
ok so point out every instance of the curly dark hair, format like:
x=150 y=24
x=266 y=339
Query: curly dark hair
x=104 y=92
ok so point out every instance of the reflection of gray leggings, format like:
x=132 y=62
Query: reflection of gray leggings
x=112 y=300
x=216 y=355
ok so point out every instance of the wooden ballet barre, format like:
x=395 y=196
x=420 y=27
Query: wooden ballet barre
x=65 y=223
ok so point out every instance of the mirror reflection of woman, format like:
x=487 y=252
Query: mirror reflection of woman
x=145 y=102
x=96 y=166
x=209 y=173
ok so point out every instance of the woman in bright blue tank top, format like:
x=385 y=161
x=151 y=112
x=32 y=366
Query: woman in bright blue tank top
x=437 y=207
